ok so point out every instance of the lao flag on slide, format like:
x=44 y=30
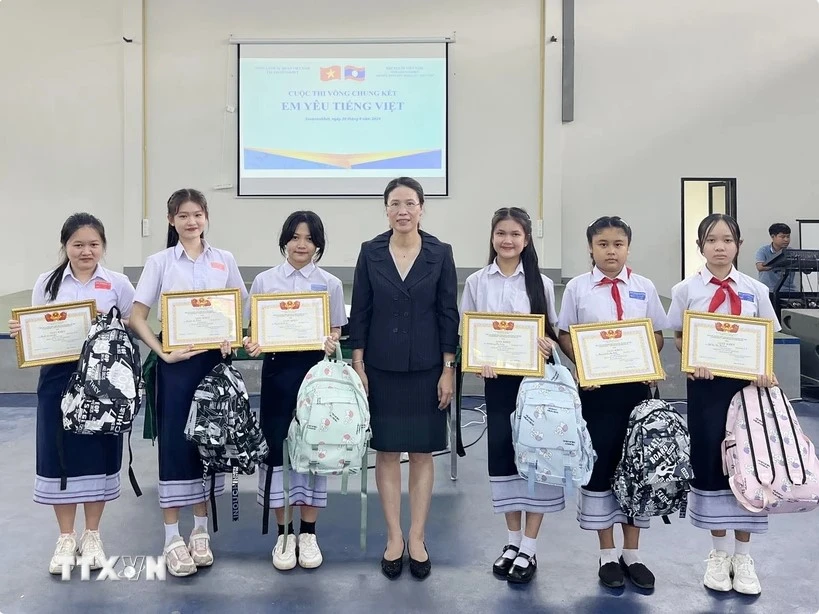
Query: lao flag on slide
x=356 y=73
x=329 y=73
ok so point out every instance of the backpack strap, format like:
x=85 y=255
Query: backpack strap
x=234 y=493
x=212 y=476
x=266 y=506
x=364 y=474
x=131 y=474
x=285 y=491
x=459 y=386
x=61 y=458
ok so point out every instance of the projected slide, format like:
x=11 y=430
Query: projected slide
x=341 y=125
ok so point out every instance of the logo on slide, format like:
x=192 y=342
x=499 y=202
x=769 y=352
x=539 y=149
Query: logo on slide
x=350 y=73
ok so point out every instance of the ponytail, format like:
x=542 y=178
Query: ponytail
x=173 y=236
x=55 y=280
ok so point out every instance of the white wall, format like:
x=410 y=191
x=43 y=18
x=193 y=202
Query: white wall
x=690 y=89
x=695 y=195
x=494 y=116
x=61 y=136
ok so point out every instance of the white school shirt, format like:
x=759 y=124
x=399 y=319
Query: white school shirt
x=173 y=270
x=586 y=300
x=696 y=292
x=490 y=291
x=106 y=287
x=310 y=278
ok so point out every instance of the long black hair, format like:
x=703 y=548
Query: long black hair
x=177 y=199
x=314 y=225
x=71 y=225
x=535 y=289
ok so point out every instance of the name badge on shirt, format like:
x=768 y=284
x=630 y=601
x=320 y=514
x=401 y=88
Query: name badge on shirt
x=101 y=284
x=640 y=296
x=218 y=265
x=746 y=297
x=318 y=287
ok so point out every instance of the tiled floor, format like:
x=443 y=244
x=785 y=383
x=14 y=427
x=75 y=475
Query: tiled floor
x=463 y=538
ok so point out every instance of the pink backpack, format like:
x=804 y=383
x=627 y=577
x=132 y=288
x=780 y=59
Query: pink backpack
x=770 y=463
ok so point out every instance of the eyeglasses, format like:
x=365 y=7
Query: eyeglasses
x=507 y=210
x=411 y=205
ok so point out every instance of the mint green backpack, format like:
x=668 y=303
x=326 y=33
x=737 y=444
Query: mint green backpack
x=330 y=431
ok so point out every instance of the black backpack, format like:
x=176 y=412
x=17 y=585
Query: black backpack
x=225 y=430
x=104 y=394
x=653 y=476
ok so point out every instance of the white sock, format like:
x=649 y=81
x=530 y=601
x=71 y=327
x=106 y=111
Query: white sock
x=200 y=522
x=608 y=555
x=741 y=547
x=528 y=546
x=721 y=544
x=631 y=556
x=514 y=540
x=171 y=531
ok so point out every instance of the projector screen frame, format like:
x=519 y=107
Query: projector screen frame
x=237 y=41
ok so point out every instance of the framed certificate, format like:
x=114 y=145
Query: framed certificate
x=53 y=333
x=505 y=341
x=616 y=352
x=730 y=346
x=202 y=319
x=290 y=322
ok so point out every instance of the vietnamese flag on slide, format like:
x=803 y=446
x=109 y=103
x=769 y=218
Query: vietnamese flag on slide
x=329 y=73
x=356 y=73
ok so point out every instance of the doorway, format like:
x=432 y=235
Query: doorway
x=700 y=197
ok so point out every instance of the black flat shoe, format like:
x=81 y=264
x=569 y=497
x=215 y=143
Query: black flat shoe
x=639 y=574
x=523 y=575
x=392 y=569
x=502 y=564
x=611 y=575
x=420 y=569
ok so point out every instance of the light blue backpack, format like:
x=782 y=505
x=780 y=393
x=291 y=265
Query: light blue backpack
x=330 y=431
x=552 y=444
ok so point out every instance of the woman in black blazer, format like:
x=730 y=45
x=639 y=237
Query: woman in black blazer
x=404 y=333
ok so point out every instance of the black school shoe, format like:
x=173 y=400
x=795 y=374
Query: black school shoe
x=420 y=569
x=392 y=569
x=523 y=575
x=502 y=564
x=611 y=575
x=639 y=574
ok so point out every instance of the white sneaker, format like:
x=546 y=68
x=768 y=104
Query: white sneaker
x=718 y=572
x=65 y=552
x=91 y=548
x=178 y=558
x=745 y=578
x=309 y=552
x=287 y=559
x=199 y=547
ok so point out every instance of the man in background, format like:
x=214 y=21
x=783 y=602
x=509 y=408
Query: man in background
x=780 y=239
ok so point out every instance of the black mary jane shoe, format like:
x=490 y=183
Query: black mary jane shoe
x=503 y=564
x=639 y=574
x=523 y=575
x=392 y=569
x=611 y=575
x=420 y=569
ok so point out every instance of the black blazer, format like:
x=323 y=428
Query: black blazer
x=404 y=325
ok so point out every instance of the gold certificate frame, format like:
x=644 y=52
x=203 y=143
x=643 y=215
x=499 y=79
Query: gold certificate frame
x=739 y=347
x=616 y=352
x=290 y=322
x=54 y=333
x=202 y=319
x=507 y=342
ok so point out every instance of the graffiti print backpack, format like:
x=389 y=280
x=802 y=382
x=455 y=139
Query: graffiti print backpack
x=552 y=444
x=104 y=394
x=652 y=478
x=330 y=431
x=770 y=463
x=225 y=430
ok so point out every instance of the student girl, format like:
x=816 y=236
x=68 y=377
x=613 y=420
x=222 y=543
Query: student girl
x=302 y=242
x=719 y=288
x=188 y=263
x=610 y=292
x=512 y=283
x=91 y=464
